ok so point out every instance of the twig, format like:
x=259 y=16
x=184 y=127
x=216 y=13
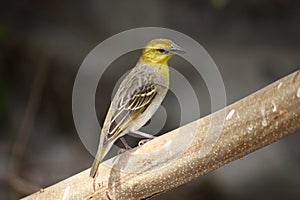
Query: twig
x=250 y=124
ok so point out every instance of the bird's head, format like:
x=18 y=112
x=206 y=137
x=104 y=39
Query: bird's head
x=158 y=51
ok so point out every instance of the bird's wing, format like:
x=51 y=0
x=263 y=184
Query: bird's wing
x=128 y=109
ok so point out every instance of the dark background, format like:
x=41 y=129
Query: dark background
x=43 y=43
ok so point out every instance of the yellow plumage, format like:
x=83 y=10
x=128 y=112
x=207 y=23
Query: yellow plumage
x=138 y=97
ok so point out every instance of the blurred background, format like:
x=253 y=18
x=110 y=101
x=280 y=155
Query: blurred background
x=43 y=43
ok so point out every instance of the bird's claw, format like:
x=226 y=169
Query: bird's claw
x=144 y=141
x=122 y=151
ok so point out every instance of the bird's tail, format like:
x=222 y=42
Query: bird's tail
x=94 y=168
x=99 y=157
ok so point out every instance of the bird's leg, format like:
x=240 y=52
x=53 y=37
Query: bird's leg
x=126 y=145
x=146 y=135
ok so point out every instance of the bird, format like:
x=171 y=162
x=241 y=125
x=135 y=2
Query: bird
x=138 y=97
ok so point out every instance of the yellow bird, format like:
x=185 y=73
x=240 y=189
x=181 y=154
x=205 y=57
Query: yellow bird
x=138 y=97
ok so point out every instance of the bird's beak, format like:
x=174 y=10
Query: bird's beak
x=175 y=49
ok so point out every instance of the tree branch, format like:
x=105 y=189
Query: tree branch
x=192 y=150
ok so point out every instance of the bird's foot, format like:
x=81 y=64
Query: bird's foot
x=144 y=141
x=126 y=145
x=122 y=151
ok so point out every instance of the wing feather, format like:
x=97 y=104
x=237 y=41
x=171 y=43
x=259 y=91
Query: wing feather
x=129 y=110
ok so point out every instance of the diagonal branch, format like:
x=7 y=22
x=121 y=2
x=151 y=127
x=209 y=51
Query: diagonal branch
x=192 y=150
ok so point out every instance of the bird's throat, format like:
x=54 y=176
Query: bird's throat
x=162 y=67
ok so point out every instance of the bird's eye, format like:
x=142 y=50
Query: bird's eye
x=161 y=50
